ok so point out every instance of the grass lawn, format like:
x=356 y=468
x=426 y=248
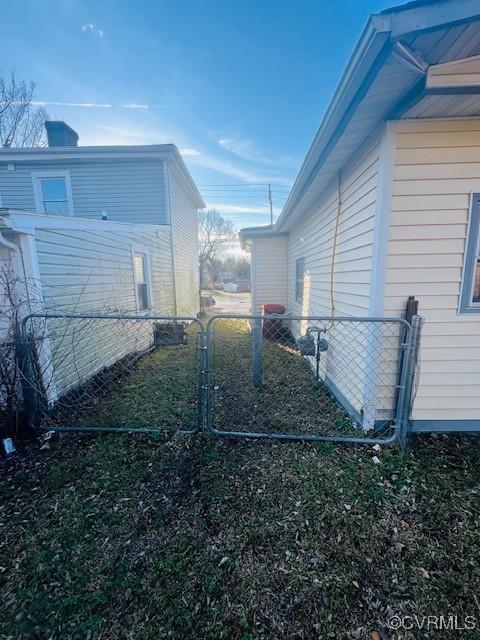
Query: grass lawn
x=125 y=537
x=136 y=537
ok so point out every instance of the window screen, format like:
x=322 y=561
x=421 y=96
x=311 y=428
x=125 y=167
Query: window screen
x=299 y=278
x=141 y=281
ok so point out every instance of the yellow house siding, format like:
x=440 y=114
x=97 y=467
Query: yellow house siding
x=456 y=73
x=437 y=166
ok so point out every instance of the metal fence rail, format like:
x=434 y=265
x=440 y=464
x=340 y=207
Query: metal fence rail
x=291 y=378
x=112 y=372
x=310 y=377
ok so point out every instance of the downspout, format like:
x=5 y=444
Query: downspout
x=168 y=216
x=9 y=245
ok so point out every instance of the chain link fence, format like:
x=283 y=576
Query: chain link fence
x=285 y=377
x=114 y=372
x=309 y=377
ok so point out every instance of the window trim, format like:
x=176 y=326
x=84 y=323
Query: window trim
x=141 y=251
x=299 y=298
x=37 y=176
x=466 y=304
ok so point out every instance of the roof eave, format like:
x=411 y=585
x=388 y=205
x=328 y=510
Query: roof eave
x=379 y=35
x=154 y=151
x=252 y=233
x=371 y=43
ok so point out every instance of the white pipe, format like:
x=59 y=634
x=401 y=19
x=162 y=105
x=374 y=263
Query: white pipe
x=8 y=244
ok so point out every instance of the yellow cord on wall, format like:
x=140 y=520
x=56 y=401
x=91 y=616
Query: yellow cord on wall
x=334 y=248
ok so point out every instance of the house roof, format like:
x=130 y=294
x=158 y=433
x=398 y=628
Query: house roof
x=385 y=79
x=103 y=154
x=17 y=221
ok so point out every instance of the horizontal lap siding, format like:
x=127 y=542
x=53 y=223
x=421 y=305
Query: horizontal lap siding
x=269 y=273
x=185 y=237
x=87 y=271
x=93 y=271
x=437 y=167
x=128 y=190
x=313 y=239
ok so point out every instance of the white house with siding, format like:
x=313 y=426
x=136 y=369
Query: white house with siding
x=386 y=204
x=100 y=229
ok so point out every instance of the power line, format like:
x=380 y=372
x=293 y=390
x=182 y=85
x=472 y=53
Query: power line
x=262 y=197
x=246 y=186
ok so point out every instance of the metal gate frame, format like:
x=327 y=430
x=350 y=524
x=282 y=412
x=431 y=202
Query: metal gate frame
x=30 y=392
x=205 y=409
x=401 y=425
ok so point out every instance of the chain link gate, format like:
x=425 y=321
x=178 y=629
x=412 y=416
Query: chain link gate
x=278 y=377
x=338 y=379
x=112 y=372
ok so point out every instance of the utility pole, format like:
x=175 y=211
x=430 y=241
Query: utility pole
x=271 y=205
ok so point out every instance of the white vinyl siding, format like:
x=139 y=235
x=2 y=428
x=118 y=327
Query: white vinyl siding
x=127 y=190
x=353 y=200
x=437 y=168
x=93 y=271
x=313 y=239
x=184 y=216
x=269 y=272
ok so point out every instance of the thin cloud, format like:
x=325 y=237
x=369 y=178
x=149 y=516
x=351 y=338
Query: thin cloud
x=234 y=171
x=88 y=105
x=234 y=209
x=91 y=28
x=188 y=151
x=143 y=107
x=246 y=149
x=93 y=105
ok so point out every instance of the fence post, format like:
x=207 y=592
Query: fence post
x=257 y=346
x=203 y=382
x=410 y=363
x=24 y=354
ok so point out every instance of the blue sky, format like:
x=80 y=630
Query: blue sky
x=238 y=85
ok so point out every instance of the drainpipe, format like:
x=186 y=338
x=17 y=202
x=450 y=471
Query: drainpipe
x=9 y=245
x=168 y=214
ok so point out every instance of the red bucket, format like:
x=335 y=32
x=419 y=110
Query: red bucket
x=272 y=327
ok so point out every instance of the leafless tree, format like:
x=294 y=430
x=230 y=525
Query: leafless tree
x=237 y=266
x=12 y=307
x=213 y=232
x=21 y=123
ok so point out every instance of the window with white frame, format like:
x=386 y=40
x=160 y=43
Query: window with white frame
x=142 y=281
x=470 y=294
x=53 y=193
x=299 y=279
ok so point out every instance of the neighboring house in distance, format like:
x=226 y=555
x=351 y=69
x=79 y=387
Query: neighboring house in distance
x=386 y=204
x=117 y=223
x=100 y=229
